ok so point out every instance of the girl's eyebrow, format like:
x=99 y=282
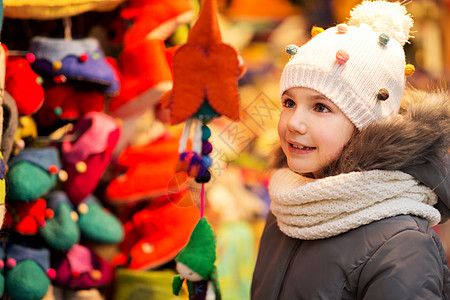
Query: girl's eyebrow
x=320 y=97
x=286 y=93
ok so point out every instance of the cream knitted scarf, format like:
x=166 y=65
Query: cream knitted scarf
x=319 y=208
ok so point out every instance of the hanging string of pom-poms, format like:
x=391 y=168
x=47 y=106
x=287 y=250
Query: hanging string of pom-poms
x=198 y=161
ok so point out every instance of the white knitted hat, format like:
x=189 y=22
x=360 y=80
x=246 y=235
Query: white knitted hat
x=360 y=66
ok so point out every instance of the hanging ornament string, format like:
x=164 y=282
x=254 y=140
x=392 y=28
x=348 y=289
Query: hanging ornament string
x=198 y=161
x=202 y=201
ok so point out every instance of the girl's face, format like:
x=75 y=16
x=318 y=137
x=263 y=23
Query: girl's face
x=312 y=130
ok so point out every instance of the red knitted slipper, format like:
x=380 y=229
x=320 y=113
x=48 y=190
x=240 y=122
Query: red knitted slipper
x=86 y=158
x=145 y=75
x=26 y=218
x=150 y=173
x=155 y=235
x=23 y=84
x=63 y=102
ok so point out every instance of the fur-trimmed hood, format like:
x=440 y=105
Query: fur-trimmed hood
x=417 y=142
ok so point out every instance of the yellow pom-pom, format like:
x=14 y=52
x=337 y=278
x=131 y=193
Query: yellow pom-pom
x=316 y=30
x=81 y=167
x=96 y=274
x=74 y=216
x=57 y=65
x=62 y=175
x=83 y=208
x=409 y=70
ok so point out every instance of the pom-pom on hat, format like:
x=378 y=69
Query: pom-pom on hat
x=200 y=252
x=360 y=66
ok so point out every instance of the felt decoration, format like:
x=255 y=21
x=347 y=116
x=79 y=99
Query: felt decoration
x=26 y=217
x=145 y=74
x=29 y=175
x=195 y=264
x=65 y=102
x=206 y=73
x=155 y=19
x=86 y=157
x=149 y=171
x=27 y=269
x=81 y=268
x=61 y=232
x=10 y=124
x=22 y=83
x=97 y=224
x=55 y=9
x=54 y=57
x=155 y=234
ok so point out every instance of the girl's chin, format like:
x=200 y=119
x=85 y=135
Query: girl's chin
x=299 y=169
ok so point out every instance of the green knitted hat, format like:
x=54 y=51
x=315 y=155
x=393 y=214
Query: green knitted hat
x=200 y=252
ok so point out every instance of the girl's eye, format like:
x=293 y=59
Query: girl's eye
x=288 y=103
x=321 y=108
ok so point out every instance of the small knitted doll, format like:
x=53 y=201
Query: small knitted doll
x=195 y=263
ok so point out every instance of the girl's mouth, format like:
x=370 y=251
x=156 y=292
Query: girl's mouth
x=301 y=147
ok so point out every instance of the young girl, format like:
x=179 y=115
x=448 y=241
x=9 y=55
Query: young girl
x=351 y=215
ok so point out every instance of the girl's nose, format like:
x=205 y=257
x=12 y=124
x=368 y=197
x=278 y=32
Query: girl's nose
x=297 y=123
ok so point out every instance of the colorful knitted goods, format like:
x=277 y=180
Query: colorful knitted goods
x=150 y=172
x=155 y=234
x=32 y=173
x=66 y=102
x=360 y=66
x=97 y=224
x=86 y=157
x=25 y=217
x=61 y=231
x=24 y=85
x=145 y=74
x=28 y=271
x=81 y=268
x=78 y=60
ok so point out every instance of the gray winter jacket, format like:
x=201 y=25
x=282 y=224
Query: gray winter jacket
x=397 y=258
